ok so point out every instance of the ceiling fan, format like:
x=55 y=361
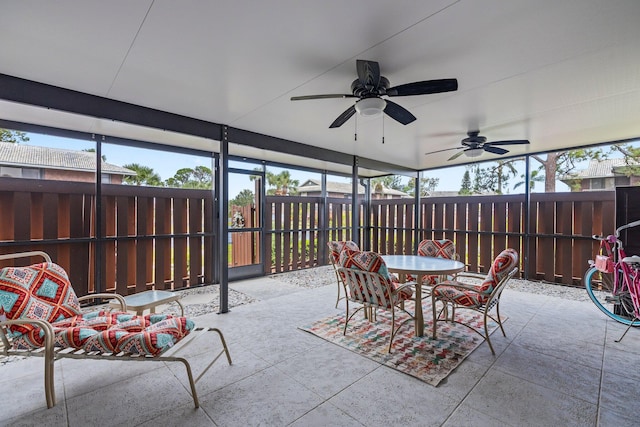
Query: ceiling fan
x=475 y=144
x=370 y=87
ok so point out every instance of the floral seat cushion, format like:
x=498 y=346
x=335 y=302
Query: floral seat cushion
x=373 y=262
x=478 y=295
x=43 y=292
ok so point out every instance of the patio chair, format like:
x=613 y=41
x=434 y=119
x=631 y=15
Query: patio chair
x=335 y=247
x=40 y=315
x=443 y=248
x=481 y=298
x=368 y=283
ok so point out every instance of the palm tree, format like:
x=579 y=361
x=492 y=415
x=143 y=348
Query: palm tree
x=144 y=176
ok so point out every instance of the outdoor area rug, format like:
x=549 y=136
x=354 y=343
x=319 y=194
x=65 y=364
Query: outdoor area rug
x=422 y=357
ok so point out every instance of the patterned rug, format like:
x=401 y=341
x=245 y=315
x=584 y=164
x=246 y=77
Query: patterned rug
x=422 y=357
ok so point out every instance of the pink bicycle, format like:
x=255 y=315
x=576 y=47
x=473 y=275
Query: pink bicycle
x=615 y=289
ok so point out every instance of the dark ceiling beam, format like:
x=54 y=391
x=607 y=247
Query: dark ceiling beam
x=43 y=95
x=29 y=92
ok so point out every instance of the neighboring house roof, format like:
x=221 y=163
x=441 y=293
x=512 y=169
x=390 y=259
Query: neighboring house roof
x=314 y=185
x=12 y=154
x=598 y=169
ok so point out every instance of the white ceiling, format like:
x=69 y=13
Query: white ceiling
x=558 y=73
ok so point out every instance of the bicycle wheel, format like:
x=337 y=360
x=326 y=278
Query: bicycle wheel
x=600 y=289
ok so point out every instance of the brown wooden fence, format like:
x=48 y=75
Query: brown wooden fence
x=163 y=238
x=559 y=239
x=151 y=237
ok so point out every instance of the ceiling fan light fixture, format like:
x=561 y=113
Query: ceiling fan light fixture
x=473 y=152
x=370 y=107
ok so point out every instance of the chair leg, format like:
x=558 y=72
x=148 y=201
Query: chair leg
x=486 y=333
x=435 y=316
x=49 y=383
x=393 y=324
x=499 y=319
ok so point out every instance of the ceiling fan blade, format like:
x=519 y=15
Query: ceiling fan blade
x=455 y=156
x=342 y=118
x=514 y=142
x=368 y=73
x=333 y=95
x=444 y=149
x=494 y=150
x=424 y=88
x=399 y=113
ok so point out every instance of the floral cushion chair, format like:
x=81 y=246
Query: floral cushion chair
x=40 y=315
x=368 y=283
x=481 y=297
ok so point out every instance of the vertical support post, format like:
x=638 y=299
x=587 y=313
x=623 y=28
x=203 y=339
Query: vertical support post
x=323 y=227
x=366 y=241
x=223 y=222
x=99 y=255
x=527 y=213
x=417 y=210
x=355 y=217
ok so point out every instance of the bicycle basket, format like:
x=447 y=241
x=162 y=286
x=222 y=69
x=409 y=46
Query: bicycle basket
x=604 y=259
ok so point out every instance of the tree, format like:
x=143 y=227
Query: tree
x=562 y=163
x=13 y=136
x=389 y=181
x=465 y=186
x=93 y=150
x=198 y=177
x=494 y=178
x=144 y=176
x=281 y=184
x=244 y=198
x=427 y=186
x=536 y=176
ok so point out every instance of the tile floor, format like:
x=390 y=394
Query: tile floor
x=559 y=365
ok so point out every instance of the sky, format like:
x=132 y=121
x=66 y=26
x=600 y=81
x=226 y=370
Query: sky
x=166 y=164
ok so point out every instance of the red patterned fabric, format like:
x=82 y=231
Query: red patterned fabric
x=40 y=291
x=336 y=247
x=373 y=262
x=502 y=265
x=443 y=248
x=437 y=248
x=43 y=292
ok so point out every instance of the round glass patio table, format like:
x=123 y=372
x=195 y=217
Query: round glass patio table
x=418 y=266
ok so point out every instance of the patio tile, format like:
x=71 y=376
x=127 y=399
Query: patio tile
x=327 y=369
x=25 y=399
x=465 y=416
x=221 y=374
x=388 y=397
x=463 y=379
x=56 y=416
x=179 y=417
x=269 y=397
x=524 y=403
x=326 y=415
x=561 y=375
x=103 y=373
x=619 y=392
x=621 y=363
x=129 y=402
x=607 y=417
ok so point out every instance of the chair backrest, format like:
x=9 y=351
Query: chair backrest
x=39 y=291
x=366 y=275
x=443 y=248
x=504 y=264
x=336 y=246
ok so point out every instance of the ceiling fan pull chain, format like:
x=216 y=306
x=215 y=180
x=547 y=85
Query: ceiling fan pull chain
x=383 y=129
x=355 y=135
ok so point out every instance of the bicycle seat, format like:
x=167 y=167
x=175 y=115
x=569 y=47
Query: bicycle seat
x=634 y=259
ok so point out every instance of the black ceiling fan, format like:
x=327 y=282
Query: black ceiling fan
x=475 y=144
x=370 y=87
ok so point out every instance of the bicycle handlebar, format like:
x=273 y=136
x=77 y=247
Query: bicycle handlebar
x=630 y=225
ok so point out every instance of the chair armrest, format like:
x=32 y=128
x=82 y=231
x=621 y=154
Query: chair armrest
x=456 y=285
x=45 y=326
x=405 y=285
x=120 y=298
